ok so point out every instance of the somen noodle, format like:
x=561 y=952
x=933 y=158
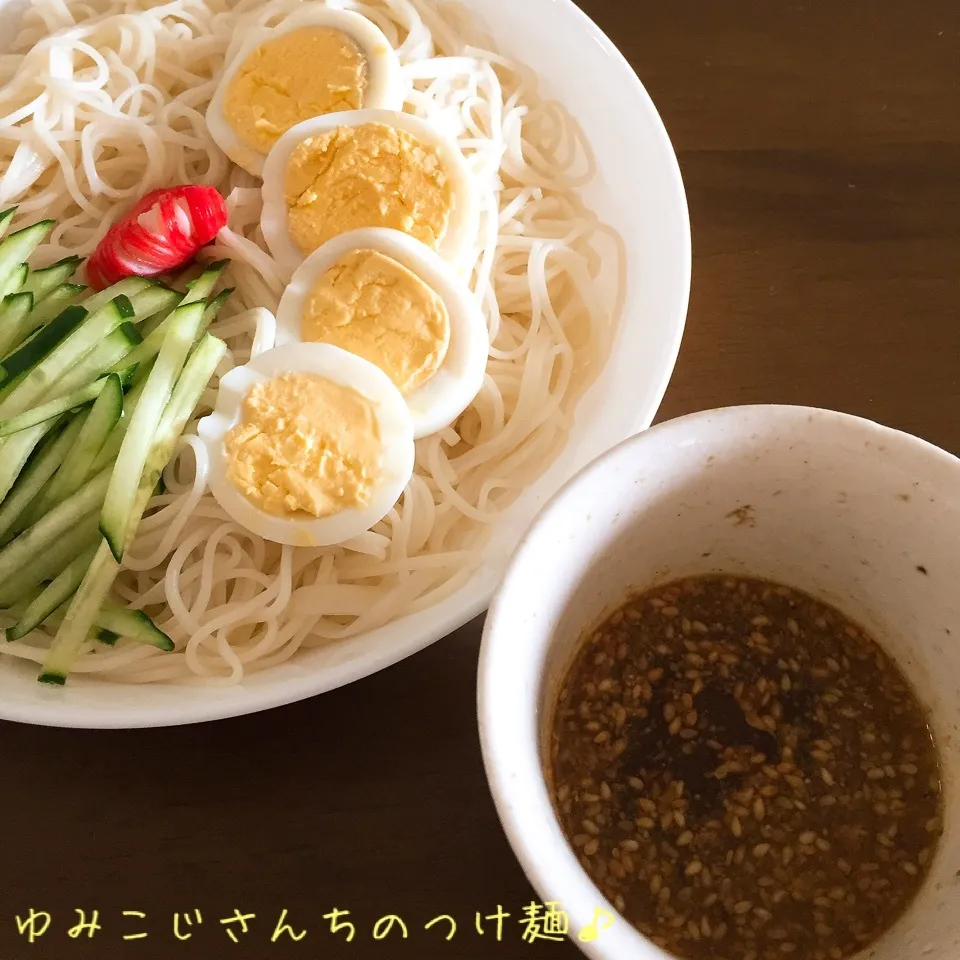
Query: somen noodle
x=103 y=101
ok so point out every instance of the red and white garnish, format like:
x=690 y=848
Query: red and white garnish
x=162 y=232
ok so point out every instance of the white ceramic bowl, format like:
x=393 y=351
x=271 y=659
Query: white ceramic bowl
x=859 y=515
x=637 y=190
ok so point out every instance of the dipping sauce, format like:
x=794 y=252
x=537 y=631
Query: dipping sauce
x=745 y=773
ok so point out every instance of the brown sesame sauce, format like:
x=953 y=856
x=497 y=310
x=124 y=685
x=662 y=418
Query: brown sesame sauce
x=743 y=771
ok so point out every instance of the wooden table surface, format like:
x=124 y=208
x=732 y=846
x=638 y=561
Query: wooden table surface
x=820 y=146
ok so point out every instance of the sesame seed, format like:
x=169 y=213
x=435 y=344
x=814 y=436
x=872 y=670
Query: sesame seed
x=745 y=824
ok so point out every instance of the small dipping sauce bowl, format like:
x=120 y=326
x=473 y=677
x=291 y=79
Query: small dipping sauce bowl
x=857 y=515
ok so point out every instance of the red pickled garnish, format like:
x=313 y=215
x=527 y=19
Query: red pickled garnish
x=162 y=232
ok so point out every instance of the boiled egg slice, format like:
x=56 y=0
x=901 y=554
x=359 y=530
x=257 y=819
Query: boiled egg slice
x=308 y=445
x=367 y=168
x=317 y=61
x=392 y=300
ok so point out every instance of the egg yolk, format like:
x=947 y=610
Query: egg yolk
x=371 y=305
x=301 y=74
x=373 y=175
x=305 y=445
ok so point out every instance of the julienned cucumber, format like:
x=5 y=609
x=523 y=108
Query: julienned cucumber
x=46 y=339
x=141 y=433
x=15 y=449
x=98 y=325
x=94 y=328
x=154 y=300
x=16 y=453
x=41 y=282
x=111 y=447
x=78 y=461
x=197 y=289
x=215 y=305
x=132 y=625
x=51 y=306
x=55 y=408
x=98 y=361
x=90 y=596
x=48 y=563
x=47 y=531
x=128 y=287
x=202 y=287
x=54 y=595
x=14 y=319
x=37 y=475
x=153 y=339
x=110 y=625
x=17 y=249
x=15 y=281
x=5 y=219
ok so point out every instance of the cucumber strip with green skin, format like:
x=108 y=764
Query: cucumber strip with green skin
x=46 y=340
x=14 y=283
x=153 y=339
x=197 y=371
x=52 y=527
x=62 y=402
x=61 y=547
x=16 y=453
x=141 y=433
x=74 y=349
x=154 y=300
x=132 y=625
x=42 y=282
x=80 y=617
x=53 y=596
x=17 y=248
x=128 y=287
x=112 y=623
x=56 y=300
x=202 y=286
x=111 y=447
x=6 y=217
x=13 y=337
x=215 y=305
x=94 y=328
x=14 y=319
x=8 y=386
x=78 y=461
x=96 y=363
x=90 y=596
x=37 y=475
x=55 y=408
x=151 y=323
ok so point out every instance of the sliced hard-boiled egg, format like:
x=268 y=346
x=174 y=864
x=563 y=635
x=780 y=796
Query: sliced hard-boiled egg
x=308 y=445
x=367 y=168
x=392 y=300
x=317 y=61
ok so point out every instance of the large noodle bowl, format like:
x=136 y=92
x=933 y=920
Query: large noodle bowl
x=105 y=100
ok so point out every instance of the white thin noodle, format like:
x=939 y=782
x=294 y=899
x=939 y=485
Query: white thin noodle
x=104 y=101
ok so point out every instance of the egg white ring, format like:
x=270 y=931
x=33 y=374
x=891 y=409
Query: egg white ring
x=348 y=370
x=459 y=378
x=458 y=242
x=387 y=84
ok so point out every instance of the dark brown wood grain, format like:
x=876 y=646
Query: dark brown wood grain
x=820 y=146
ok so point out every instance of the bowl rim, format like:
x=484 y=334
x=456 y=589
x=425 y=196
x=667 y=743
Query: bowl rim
x=520 y=794
x=219 y=704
